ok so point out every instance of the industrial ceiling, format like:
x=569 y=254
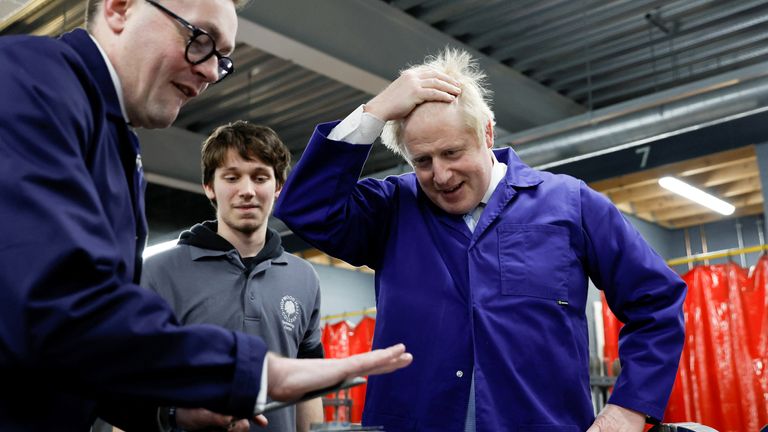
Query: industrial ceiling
x=597 y=89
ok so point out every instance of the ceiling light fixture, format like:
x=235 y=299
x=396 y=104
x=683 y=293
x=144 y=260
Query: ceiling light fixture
x=696 y=195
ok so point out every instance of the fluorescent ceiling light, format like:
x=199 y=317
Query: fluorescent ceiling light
x=696 y=195
x=160 y=247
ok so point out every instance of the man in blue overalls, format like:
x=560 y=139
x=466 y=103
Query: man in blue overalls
x=482 y=267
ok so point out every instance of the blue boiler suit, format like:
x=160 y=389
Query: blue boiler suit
x=507 y=300
x=75 y=329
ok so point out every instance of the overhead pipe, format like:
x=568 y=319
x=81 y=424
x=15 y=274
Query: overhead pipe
x=672 y=112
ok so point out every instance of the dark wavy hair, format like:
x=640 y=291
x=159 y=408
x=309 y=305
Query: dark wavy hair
x=249 y=141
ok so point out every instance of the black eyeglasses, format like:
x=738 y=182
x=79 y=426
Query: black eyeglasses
x=200 y=46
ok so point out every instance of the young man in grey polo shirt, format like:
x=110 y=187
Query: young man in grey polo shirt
x=233 y=272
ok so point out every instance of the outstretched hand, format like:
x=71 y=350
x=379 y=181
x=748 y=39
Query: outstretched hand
x=412 y=88
x=614 y=418
x=289 y=379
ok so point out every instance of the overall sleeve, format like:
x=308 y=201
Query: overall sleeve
x=644 y=294
x=323 y=202
x=69 y=318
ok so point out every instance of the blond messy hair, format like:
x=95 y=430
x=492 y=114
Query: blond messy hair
x=474 y=100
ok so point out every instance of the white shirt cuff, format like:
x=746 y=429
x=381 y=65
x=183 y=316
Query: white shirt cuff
x=359 y=127
x=261 y=399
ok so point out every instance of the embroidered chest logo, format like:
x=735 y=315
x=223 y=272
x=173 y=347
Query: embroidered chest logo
x=290 y=308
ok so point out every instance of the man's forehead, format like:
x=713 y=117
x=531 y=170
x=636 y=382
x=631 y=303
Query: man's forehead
x=433 y=120
x=433 y=114
x=233 y=159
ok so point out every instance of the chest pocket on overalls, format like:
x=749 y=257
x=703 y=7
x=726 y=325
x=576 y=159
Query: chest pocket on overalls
x=533 y=260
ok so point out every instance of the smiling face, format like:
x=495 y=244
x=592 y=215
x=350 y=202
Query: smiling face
x=244 y=192
x=147 y=49
x=452 y=166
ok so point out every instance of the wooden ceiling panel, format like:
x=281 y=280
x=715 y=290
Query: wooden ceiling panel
x=685 y=168
x=693 y=209
x=724 y=175
x=633 y=193
x=738 y=187
x=705 y=218
x=665 y=202
x=732 y=175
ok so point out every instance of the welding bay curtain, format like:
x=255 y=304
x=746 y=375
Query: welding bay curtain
x=343 y=339
x=722 y=381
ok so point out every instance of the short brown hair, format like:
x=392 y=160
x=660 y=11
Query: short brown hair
x=250 y=141
x=92 y=6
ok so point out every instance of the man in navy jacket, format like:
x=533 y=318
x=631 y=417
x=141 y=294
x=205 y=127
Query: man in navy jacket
x=75 y=329
x=482 y=267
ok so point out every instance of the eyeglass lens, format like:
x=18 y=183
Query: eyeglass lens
x=201 y=47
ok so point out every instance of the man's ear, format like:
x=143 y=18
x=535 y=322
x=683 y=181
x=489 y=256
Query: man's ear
x=489 y=134
x=278 y=189
x=209 y=192
x=115 y=13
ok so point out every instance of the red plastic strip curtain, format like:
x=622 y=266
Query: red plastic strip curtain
x=612 y=326
x=360 y=342
x=342 y=340
x=336 y=345
x=757 y=310
x=722 y=381
x=336 y=339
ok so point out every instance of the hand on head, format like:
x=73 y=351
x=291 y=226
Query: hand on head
x=289 y=379
x=411 y=89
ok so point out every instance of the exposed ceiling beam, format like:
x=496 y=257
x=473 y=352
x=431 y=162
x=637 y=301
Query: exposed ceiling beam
x=704 y=218
x=743 y=202
x=730 y=190
x=686 y=168
x=646 y=192
x=725 y=175
x=304 y=55
x=687 y=108
x=344 y=30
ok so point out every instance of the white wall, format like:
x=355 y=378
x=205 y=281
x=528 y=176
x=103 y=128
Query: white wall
x=344 y=291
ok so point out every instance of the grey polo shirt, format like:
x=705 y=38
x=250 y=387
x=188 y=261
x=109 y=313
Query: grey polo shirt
x=278 y=300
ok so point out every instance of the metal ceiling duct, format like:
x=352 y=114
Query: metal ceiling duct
x=704 y=103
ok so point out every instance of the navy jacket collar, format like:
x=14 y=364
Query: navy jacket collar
x=518 y=173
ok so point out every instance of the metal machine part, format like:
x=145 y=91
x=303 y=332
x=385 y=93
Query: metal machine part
x=681 y=427
x=335 y=427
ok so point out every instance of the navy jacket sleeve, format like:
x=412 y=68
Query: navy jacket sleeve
x=69 y=314
x=326 y=204
x=644 y=294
